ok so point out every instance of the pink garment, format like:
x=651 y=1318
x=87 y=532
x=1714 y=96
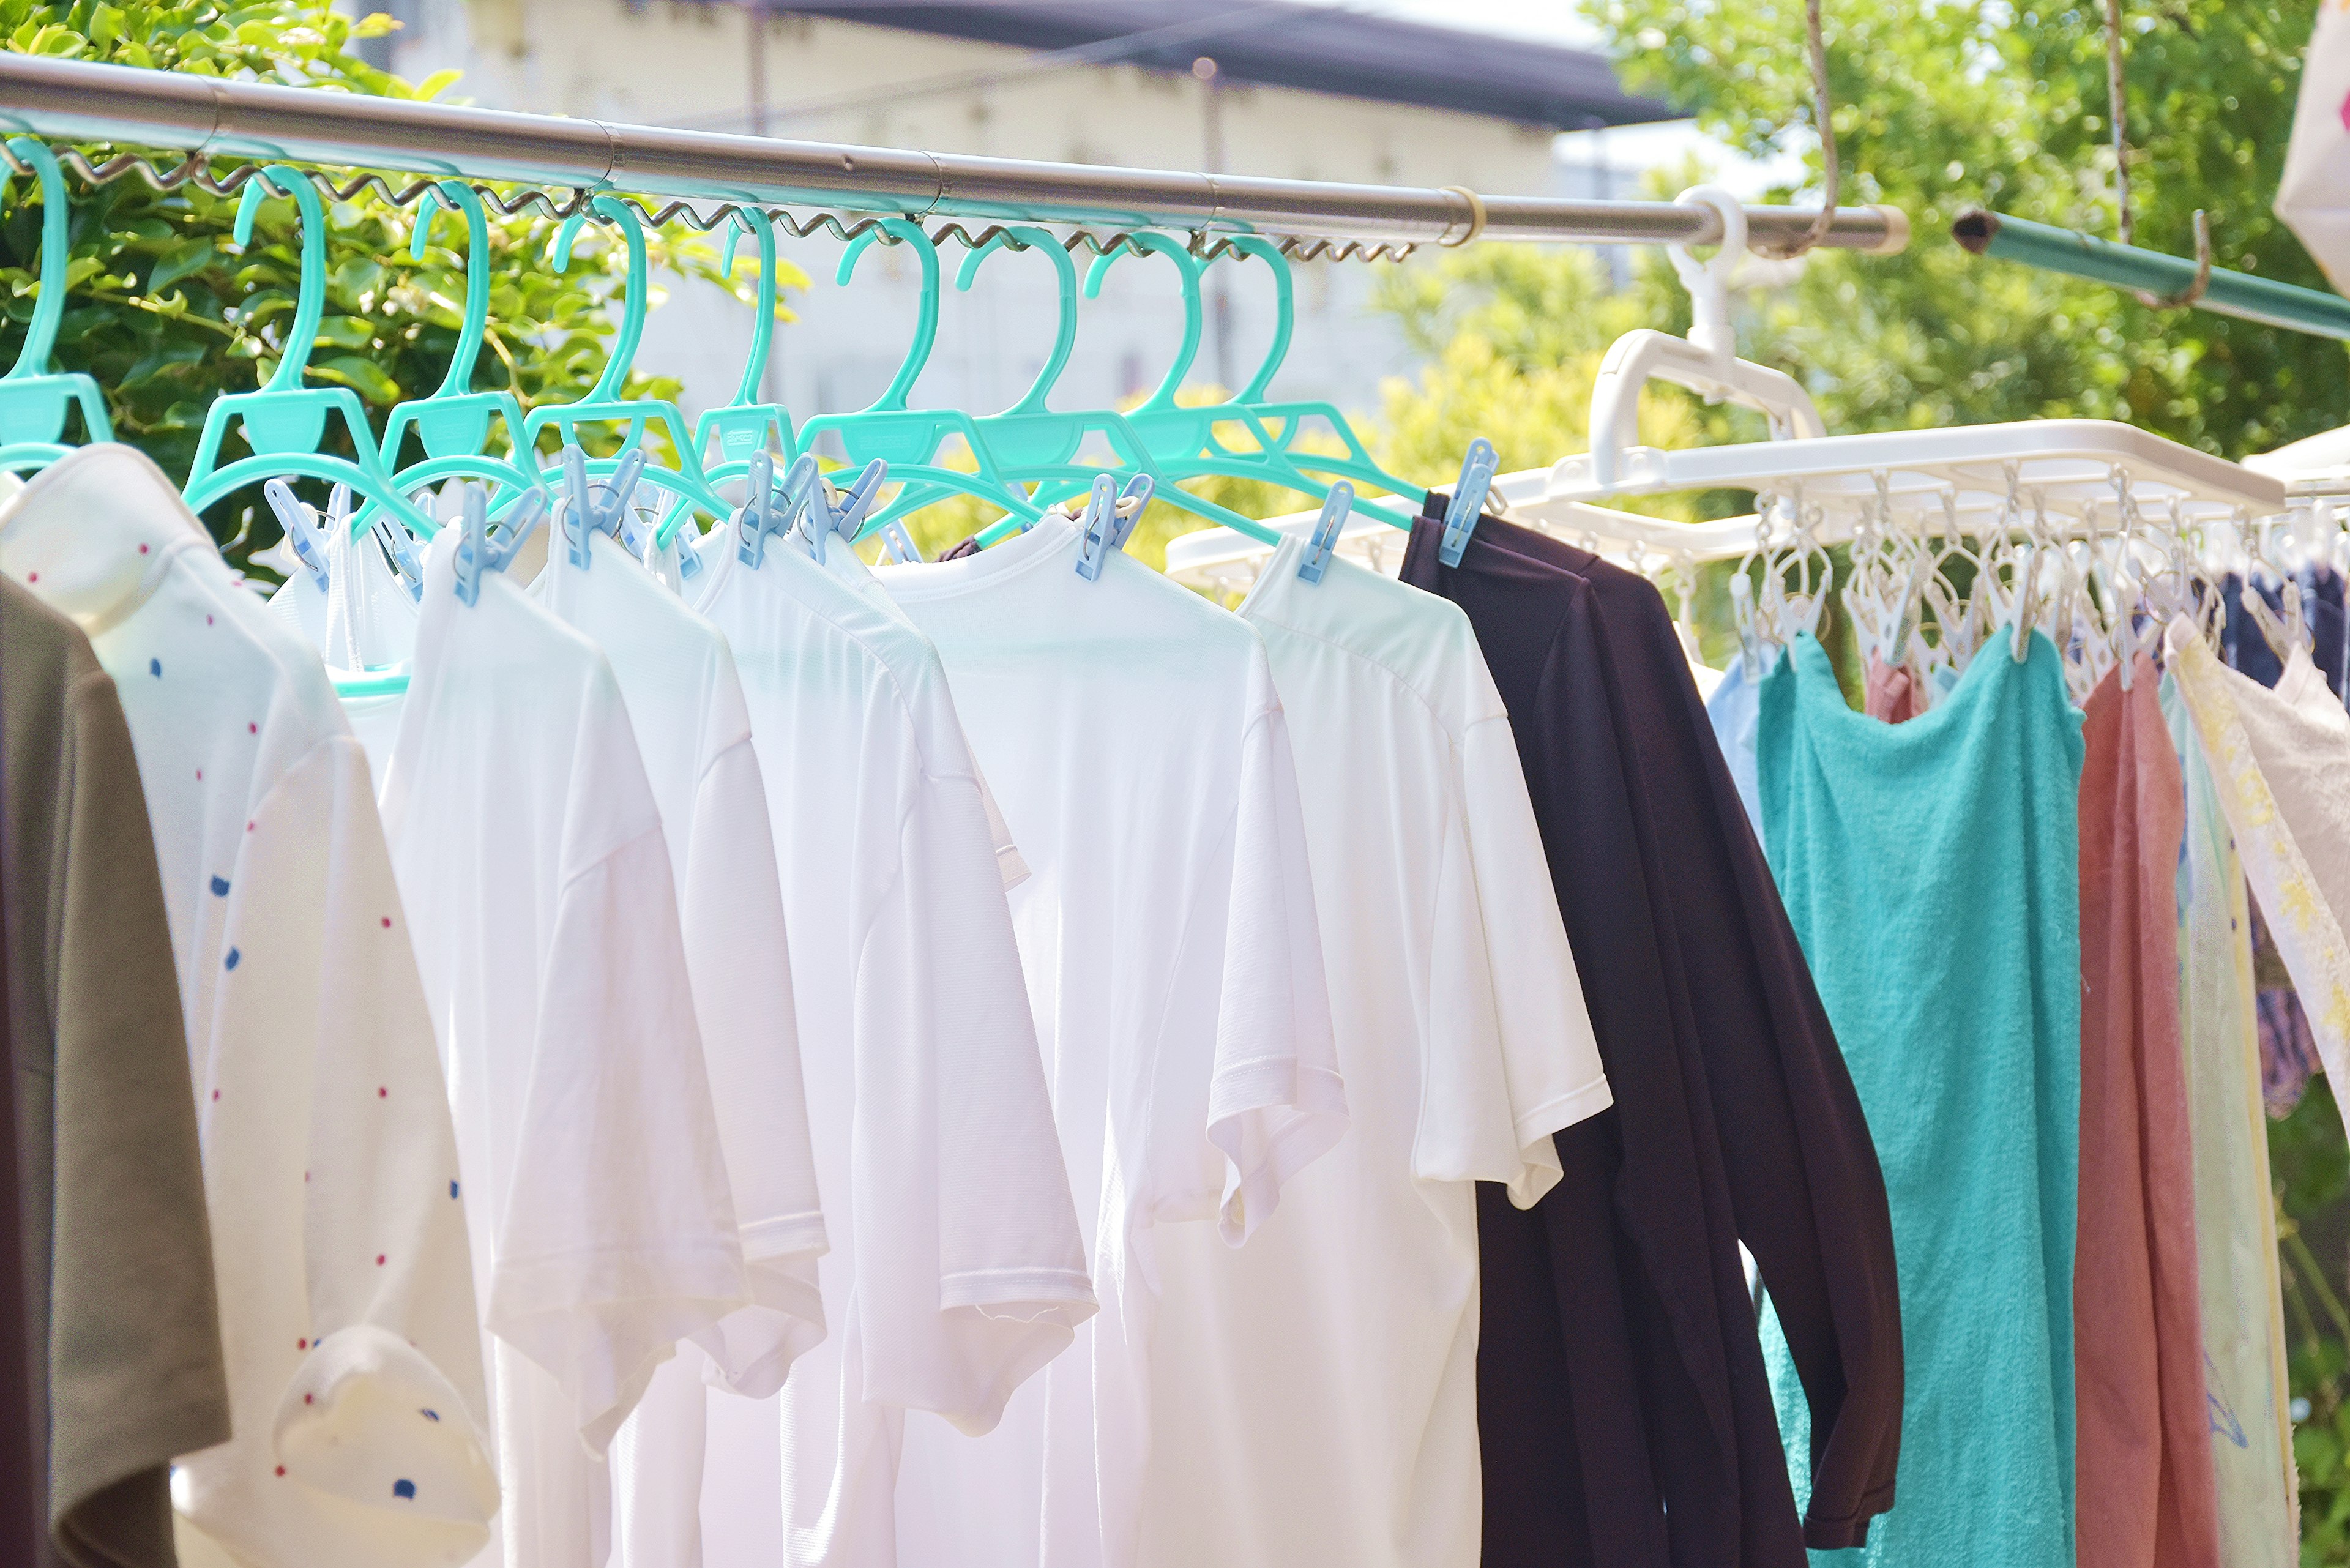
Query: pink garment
x=2146 y=1496
x=1892 y=692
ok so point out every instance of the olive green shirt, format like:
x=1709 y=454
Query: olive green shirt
x=116 y=1256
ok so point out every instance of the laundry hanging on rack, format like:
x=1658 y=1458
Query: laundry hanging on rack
x=1892 y=844
x=1465 y=1044
x=1168 y=933
x=1623 y=1409
x=329 y=1163
x=109 y=1323
x=2145 y=1455
x=956 y=1270
x=2242 y=1306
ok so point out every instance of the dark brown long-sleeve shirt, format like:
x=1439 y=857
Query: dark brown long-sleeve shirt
x=1624 y=1411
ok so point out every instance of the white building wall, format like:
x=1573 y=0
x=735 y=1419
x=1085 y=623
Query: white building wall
x=694 y=64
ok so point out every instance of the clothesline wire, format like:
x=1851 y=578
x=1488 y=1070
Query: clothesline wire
x=197 y=171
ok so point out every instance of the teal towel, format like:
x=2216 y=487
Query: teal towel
x=1932 y=873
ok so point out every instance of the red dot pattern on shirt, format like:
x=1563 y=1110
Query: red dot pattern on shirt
x=301 y=1345
x=215 y=1093
x=379 y=1260
x=309 y=1398
x=281 y=1468
x=142 y=549
x=32 y=576
x=252 y=729
x=386 y=922
x=381 y=1092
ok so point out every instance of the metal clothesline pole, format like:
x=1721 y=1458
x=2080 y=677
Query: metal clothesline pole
x=77 y=101
x=2236 y=294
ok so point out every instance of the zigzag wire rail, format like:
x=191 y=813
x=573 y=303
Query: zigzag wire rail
x=197 y=171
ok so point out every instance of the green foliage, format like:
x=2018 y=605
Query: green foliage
x=167 y=314
x=1941 y=108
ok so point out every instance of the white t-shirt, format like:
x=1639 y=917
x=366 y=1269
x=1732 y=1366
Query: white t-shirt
x=685 y=705
x=957 y=1269
x=330 y=1169
x=530 y=855
x=361 y=618
x=1167 y=930
x=1316 y=1401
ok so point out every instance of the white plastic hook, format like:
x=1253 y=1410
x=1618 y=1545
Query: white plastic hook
x=1707 y=281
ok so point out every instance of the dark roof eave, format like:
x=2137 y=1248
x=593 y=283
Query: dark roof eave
x=1305 y=48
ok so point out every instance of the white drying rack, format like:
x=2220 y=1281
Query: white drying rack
x=2075 y=473
x=2073 y=476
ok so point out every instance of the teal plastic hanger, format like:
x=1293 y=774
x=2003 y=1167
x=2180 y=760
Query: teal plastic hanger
x=33 y=398
x=745 y=425
x=1356 y=464
x=1036 y=445
x=453 y=422
x=285 y=421
x=606 y=402
x=910 y=440
x=1186 y=441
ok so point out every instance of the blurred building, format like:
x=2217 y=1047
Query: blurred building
x=1251 y=86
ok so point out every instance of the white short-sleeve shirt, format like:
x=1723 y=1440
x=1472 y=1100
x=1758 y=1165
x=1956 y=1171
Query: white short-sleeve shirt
x=1319 y=1384
x=1132 y=734
x=956 y=1268
x=530 y=855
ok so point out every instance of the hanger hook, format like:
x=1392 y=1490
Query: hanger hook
x=763 y=329
x=634 y=302
x=2194 y=291
x=57 y=256
x=456 y=196
x=1189 y=266
x=904 y=230
x=310 y=300
x=1026 y=236
x=1285 y=320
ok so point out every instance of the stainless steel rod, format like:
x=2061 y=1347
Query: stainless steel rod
x=73 y=101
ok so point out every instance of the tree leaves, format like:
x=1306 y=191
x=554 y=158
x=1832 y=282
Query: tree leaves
x=168 y=313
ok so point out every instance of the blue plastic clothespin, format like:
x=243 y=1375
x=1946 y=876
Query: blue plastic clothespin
x=477 y=552
x=899 y=545
x=584 y=514
x=1108 y=517
x=402 y=551
x=819 y=518
x=1327 y=528
x=764 y=512
x=1477 y=471
x=301 y=526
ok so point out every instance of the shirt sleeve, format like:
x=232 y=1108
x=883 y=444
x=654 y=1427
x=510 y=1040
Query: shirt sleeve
x=738 y=964
x=617 y=1238
x=134 y=1364
x=1512 y=1056
x=970 y=1269
x=1275 y=1102
x=347 y=1288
